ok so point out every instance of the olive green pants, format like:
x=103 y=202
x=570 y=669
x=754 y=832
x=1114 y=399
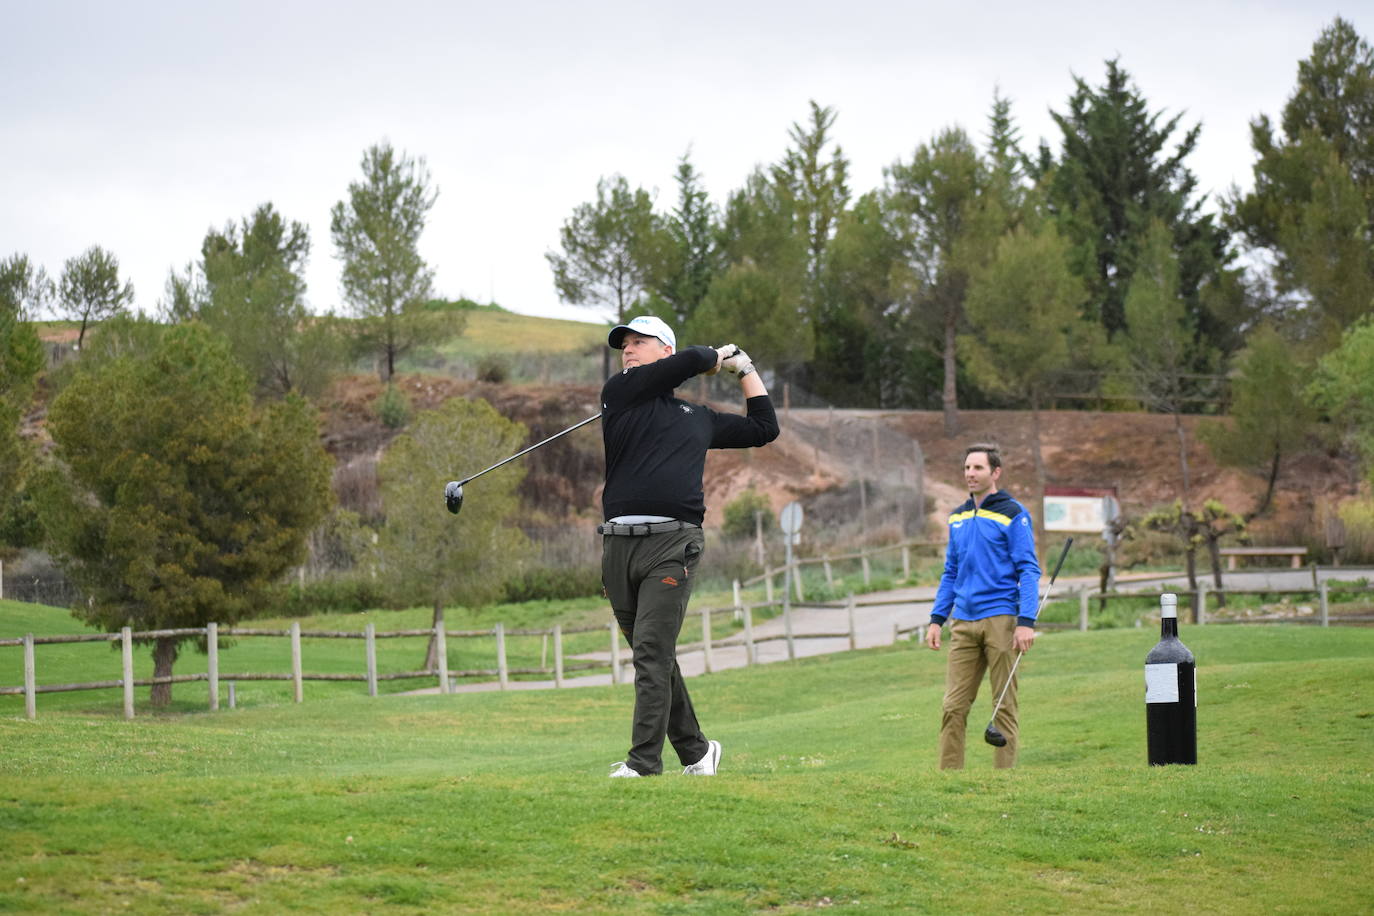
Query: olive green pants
x=648 y=580
x=978 y=647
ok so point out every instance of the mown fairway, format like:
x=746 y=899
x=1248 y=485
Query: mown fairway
x=827 y=796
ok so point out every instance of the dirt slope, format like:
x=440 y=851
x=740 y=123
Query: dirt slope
x=821 y=451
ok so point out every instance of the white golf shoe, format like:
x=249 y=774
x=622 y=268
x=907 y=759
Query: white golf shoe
x=706 y=766
x=622 y=771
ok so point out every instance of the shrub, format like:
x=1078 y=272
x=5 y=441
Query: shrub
x=493 y=369
x=740 y=512
x=345 y=594
x=539 y=583
x=393 y=408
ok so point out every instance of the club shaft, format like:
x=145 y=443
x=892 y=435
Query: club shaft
x=536 y=445
x=1043 y=598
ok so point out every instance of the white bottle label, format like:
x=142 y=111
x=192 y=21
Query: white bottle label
x=1161 y=683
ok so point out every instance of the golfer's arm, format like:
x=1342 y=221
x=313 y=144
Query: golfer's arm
x=752 y=385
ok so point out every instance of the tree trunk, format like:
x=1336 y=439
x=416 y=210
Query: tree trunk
x=950 y=398
x=164 y=657
x=1191 y=554
x=1182 y=457
x=1039 y=459
x=1214 y=555
x=432 y=653
x=1273 y=479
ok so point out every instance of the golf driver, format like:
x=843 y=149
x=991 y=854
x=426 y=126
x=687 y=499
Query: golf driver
x=992 y=735
x=453 y=492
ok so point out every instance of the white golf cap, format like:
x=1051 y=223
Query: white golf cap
x=644 y=324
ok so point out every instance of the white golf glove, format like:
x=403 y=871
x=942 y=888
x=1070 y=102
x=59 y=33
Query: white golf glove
x=739 y=363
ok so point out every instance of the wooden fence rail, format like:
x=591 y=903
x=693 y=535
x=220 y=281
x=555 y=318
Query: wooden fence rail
x=741 y=613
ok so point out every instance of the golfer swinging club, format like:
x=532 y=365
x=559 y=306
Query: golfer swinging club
x=654 y=504
x=989 y=589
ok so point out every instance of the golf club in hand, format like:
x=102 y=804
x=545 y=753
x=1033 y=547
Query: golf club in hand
x=453 y=492
x=992 y=735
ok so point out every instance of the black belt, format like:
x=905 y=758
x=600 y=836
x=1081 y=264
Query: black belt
x=644 y=528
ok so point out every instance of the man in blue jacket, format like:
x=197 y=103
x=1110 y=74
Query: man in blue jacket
x=988 y=594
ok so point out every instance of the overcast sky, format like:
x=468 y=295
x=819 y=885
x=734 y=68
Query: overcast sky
x=138 y=125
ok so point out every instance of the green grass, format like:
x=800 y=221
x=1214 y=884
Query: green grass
x=828 y=795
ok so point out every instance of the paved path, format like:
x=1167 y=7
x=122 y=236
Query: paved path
x=879 y=615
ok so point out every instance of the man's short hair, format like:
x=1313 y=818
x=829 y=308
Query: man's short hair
x=990 y=448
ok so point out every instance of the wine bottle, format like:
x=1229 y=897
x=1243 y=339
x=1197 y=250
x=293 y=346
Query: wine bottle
x=1170 y=693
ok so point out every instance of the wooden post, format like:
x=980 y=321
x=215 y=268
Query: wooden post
x=212 y=662
x=544 y=652
x=768 y=585
x=296 y=661
x=906 y=562
x=706 y=637
x=1201 y=602
x=441 y=649
x=1324 y=604
x=127 y=640
x=868 y=573
x=829 y=573
x=502 y=671
x=370 y=642
x=853 y=633
x=614 y=654
x=749 y=656
x=734 y=587
x=558 y=655
x=30 y=678
x=797 y=581
x=233 y=700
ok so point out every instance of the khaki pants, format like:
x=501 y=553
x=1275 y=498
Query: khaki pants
x=977 y=647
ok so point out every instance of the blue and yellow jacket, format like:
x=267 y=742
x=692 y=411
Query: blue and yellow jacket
x=990 y=563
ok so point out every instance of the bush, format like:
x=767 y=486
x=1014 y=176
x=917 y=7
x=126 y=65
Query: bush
x=740 y=512
x=542 y=583
x=493 y=369
x=348 y=595
x=393 y=408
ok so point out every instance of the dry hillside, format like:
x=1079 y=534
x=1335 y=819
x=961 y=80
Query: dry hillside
x=824 y=451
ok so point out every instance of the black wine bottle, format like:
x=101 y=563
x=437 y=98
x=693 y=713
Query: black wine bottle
x=1170 y=693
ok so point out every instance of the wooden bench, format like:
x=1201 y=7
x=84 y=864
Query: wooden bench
x=1294 y=553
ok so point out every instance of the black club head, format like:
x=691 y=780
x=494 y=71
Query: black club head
x=453 y=496
x=994 y=737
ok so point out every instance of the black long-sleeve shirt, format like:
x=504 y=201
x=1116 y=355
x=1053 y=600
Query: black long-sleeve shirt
x=656 y=444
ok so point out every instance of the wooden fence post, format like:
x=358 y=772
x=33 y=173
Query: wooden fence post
x=502 y=671
x=706 y=637
x=30 y=678
x=127 y=645
x=734 y=587
x=370 y=644
x=829 y=573
x=768 y=585
x=853 y=633
x=212 y=663
x=1323 y=603
x=1083 y=608
x=906 y=562
x=1201 y=602
x=749 y=656
x=797 y=580
x=441 y=649
x=296 y=676
x=615 y=655
x=867 y=571
x=558 y=655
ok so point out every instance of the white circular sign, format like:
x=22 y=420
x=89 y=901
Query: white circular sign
x=790 y=519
